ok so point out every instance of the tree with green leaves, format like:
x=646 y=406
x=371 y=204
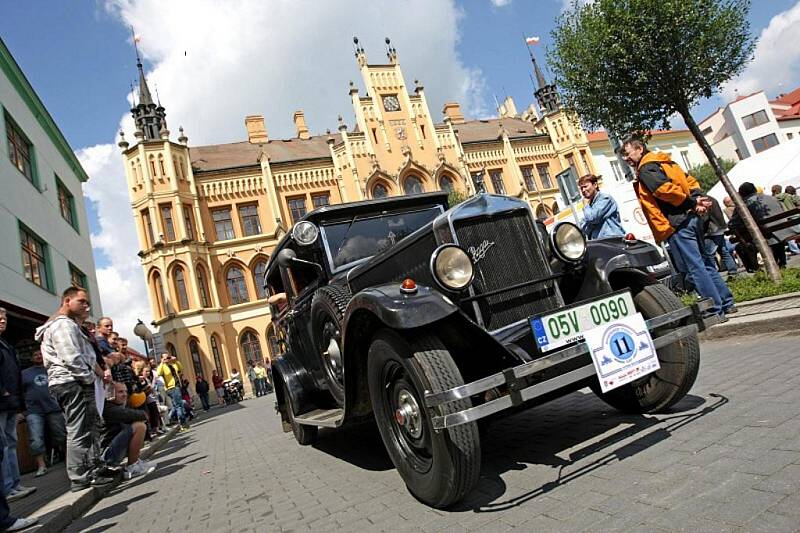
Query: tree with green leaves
x=705 y=175
x=630 y=65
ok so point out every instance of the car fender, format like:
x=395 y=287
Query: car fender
x=606 y=257
x=297 y=380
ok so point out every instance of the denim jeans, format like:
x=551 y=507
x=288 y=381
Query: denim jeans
x=204 y=400
x=793 y=248
x=716 y=243
x=38 y=423
x=687 y=242
x=8 y=440
x=177 y=404
x=6 y=519
x=83 y=422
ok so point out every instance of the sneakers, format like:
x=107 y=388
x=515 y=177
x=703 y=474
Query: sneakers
x=41 y=471
x=22 y=523
x=19 y=493
x=96 y=481
x=732 y=309
x=138 y=469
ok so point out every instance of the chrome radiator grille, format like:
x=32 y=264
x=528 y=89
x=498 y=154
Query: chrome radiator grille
x=506 y=253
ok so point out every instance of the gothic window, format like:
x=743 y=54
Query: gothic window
x=166 y=219
x=379 y=190
x=555 y=208
x=171 y=350
x=248 y=214
x=251 y=347
x=223 y=225
x=161 y=301
x=180 y=289
x=497 y=181
x=202 y=286
x=544 y=175
x=412 y=185
x=258 y=279
x=161 y=165
x=542 y=212
x=237 y=287
x=152 y=167
x=188 y=221
x=194 y=351
x=527 y=175
x=297 y=207
x=216 y=354
x=446 y=184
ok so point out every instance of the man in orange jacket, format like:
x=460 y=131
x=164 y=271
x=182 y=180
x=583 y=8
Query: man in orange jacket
x=672 y=203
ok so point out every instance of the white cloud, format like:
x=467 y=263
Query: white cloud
x=500 y=3
x=214 y=63
x=775 y=68
x=567 y=4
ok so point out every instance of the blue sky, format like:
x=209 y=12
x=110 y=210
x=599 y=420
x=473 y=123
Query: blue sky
x=215 y=62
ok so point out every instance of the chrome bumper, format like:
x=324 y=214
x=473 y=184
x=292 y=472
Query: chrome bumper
x=514 y=377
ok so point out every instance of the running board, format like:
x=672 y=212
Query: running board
x=329 y=418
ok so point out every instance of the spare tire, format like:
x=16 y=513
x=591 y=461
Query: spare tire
x=327 y=312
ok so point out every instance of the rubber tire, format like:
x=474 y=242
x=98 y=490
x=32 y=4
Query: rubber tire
x=303 y=434
x=680 y=362
x=329 y=303
x=456 y=452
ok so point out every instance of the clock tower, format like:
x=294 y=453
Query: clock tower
x=406 y=152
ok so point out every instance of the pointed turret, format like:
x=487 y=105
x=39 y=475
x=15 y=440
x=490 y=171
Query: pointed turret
x=150 y=118
x=546 y=93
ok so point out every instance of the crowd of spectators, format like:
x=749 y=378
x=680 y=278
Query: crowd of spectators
x=93 y=401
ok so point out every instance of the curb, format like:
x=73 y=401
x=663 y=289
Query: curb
x=59 y=513
x=768 y=299
x=765 y=324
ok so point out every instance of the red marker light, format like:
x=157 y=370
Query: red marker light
x=630 y=237
x=408 y=286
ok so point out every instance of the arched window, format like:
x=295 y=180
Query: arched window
x=251 y=347
x=216 y=354
x=379 y=190
x=202 y=287
x=161 y=301
x=412 y=185
x=180 y=289
x=237 y=288
x=258 y=279
x=194 y=351
x=446 y=183
x=555 y=208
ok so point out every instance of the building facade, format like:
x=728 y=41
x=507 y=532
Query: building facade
x=751 y=124
x=44 y=230
x=208 y=217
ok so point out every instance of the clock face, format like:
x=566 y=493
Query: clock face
x=391 y=103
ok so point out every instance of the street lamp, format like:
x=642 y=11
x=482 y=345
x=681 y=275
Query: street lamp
x=144 y=333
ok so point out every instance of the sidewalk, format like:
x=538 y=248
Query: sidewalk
x=765 y=315
x=53 y=503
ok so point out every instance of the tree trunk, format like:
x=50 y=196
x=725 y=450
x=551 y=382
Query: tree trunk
x=761 y=243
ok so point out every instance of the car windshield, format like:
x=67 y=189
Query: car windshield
x=351 y=240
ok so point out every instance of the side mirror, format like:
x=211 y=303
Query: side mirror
x=288 y=257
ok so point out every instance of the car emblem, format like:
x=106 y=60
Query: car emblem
x=480 y=252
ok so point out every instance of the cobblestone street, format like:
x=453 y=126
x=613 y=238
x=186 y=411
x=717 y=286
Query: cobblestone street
x=727 y=459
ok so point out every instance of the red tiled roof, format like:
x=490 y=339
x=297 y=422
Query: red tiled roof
x=603 y=135
x=791 y=99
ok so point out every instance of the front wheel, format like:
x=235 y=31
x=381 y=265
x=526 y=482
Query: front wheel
x=439 y=468
x=680 y=362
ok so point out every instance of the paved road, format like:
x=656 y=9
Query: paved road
x=728 y=459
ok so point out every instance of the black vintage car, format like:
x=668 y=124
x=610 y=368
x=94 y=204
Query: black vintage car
x=430 y=319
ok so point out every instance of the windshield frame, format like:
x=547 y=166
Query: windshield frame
x=360 y=218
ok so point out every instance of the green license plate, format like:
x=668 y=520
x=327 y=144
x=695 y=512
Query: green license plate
x=567 y=325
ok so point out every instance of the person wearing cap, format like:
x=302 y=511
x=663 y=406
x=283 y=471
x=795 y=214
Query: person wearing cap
x=600 y=210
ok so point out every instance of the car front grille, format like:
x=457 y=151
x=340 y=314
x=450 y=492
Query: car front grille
x=506 y=251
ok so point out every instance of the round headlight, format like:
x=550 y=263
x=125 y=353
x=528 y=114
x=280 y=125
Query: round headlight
x=305 y=232
x=568 y=242
x=452 y=267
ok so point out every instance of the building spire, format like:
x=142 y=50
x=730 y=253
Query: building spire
x=150 y=118
x=540 y=79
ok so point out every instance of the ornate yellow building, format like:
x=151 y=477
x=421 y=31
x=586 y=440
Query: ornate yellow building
x=208 y=217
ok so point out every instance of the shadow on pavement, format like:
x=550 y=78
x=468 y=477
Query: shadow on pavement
x=359 y=445
x=648 y=430
x=86 y=522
